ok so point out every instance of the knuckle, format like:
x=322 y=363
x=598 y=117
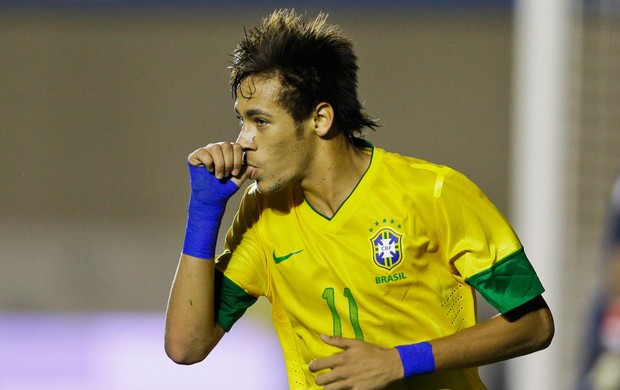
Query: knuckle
x=193 y=157
x=194 y=154
x=345 y=373
x=225 y=145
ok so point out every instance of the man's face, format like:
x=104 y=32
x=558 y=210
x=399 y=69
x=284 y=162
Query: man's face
x=278 y=152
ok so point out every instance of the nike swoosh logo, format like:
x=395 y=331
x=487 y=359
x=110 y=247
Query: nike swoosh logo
x=279 y=259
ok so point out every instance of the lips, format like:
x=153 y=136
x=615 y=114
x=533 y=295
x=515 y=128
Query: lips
x=251 y=168
x=253 y=171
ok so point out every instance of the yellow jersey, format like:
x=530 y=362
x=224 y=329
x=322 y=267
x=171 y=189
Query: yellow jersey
x=397 y=264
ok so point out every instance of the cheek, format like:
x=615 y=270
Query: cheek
x=288 y=158
x=299 y=159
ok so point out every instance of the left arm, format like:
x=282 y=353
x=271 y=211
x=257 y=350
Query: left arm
x=526 y=329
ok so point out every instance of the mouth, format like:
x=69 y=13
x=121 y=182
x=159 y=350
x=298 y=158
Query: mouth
x=253 y=170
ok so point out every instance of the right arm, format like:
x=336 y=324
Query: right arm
x=191 y=331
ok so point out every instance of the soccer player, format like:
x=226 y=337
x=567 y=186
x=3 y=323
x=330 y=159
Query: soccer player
x=370 y=259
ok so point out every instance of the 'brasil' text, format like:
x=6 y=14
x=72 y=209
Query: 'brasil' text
x=390 y=278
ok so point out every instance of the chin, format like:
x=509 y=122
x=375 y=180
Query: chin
x=268 y=188
x=260 y=187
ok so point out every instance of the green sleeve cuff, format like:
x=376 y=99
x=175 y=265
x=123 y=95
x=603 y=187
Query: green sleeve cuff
x=231 y=301
x=509 y=283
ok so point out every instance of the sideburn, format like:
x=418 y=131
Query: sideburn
x=299 y=130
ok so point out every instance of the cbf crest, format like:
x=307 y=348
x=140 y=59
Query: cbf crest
x=387 y=248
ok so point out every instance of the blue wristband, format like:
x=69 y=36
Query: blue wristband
x=417 y=358
x=207 y=204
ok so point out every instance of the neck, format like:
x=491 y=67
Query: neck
x=337 y=168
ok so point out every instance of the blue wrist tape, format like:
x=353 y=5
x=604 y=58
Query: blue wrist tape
x=417 y=358
x=207 y=204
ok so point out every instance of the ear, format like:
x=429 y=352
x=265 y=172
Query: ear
x=323 y=118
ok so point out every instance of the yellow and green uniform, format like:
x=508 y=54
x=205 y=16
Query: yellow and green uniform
x=397 y=264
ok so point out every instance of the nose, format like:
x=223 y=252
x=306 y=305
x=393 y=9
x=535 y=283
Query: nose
x=246 y=138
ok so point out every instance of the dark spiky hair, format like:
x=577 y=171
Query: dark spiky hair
x=313 y=61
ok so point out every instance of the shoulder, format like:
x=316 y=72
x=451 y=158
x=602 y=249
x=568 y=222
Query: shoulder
x=413 y=164
x=420 y=173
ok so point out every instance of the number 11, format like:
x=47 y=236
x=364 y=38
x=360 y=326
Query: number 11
x=329 y=296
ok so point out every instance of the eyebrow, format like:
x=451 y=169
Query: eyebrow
x=254 y=112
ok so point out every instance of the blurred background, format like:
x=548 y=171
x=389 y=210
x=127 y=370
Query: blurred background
x=101 y=101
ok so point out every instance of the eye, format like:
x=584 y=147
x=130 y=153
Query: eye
x=261 y=122
x=240 y=119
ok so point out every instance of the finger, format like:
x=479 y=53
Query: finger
x=330 y=377
x=241 y=176
x=219 y=158
x=324 y=363
x=340 y=342
x=238 y=159
x=224 y=159
x=201 y=157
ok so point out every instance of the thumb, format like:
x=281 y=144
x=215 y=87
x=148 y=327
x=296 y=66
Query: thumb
x=242 y=176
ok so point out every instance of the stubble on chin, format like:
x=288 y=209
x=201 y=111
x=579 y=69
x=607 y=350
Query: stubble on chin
x=264 y=188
